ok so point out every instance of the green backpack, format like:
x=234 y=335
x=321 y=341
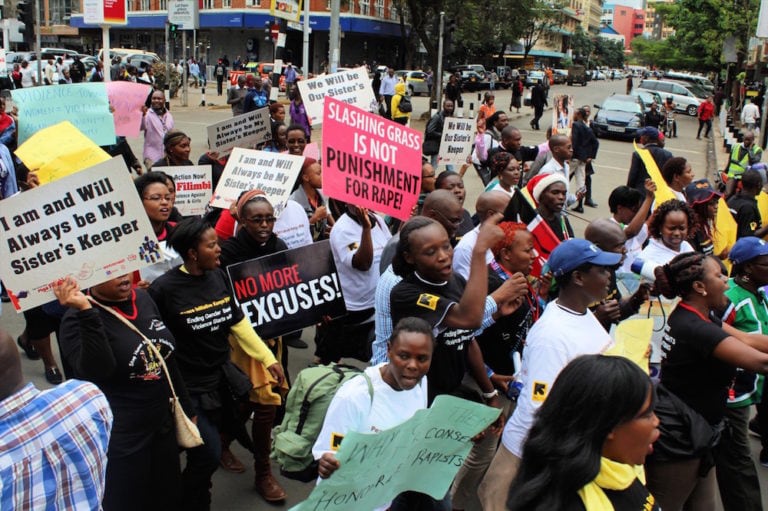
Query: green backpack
x=305 y=409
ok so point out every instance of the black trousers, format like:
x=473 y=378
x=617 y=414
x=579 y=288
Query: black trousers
x=708 y=124
x=202 y=461
x=148 y=479
x=736 y=472
x=538 y=111
x=219 y=85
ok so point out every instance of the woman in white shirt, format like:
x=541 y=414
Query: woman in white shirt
x=399 y=390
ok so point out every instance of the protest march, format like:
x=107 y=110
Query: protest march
x=312 y=295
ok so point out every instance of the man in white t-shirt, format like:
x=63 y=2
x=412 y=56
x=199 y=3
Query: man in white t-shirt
x=561 y=148
x=28 y=75
x=488 y=203
x=566 y=329
x=750 y=114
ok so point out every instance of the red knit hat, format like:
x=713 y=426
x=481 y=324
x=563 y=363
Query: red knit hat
x=538 y=184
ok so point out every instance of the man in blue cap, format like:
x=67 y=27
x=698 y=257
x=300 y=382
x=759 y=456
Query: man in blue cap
x=649 y=139
x=566 y=330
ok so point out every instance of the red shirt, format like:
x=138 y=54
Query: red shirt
x=706 y=111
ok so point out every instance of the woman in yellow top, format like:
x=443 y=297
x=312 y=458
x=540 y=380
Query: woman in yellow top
x=398 y=115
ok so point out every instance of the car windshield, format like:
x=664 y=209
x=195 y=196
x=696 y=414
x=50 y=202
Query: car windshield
x=622 y=105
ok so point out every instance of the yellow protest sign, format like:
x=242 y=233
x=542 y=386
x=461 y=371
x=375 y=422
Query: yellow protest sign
x=663 y=191
x=632 y=340
x=724 y=233
x=762 y=205
x=59 y=150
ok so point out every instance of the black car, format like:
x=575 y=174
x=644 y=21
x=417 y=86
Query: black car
x=619 y=116
x=472 y=81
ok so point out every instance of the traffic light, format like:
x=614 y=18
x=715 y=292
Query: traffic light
x=172 y=30
x=25 y=14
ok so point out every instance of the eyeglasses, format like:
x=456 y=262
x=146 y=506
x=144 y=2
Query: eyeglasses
x=453 y=221
x=258 y=220
x=159 y=198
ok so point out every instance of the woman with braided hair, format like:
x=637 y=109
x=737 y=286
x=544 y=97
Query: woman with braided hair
x=507 y=171
x=699 y=361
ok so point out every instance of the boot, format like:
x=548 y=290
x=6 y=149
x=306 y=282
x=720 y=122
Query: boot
x=265 y=483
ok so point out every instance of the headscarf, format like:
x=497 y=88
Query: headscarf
x=246 y=198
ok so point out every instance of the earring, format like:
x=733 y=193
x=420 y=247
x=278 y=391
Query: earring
x=745 y=278
x=703 y=293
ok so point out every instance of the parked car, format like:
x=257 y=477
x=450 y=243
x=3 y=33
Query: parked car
x=534 y=77
x=577 y=74
x=687 y=77
x=415 y=81
x=685 y=100
x=647 y=97
x=559 y=75
x=598 y=75
x=472 y=81
x=619 y=116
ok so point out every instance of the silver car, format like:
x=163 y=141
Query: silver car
x=415 y=81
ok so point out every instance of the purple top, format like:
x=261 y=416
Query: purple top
x=299 y=116
x=155 y=127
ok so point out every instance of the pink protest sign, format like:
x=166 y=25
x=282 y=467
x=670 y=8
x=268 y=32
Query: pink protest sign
x=369 y=161
x=127 y=98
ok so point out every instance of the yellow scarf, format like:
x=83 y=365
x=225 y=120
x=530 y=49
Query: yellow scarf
x=612 y=476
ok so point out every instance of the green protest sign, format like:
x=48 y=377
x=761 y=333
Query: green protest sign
x=422 y=454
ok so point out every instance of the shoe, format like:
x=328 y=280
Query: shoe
x=763 y=458
x=53 y=375
x=578 y=209
x=590 y=203
x=230 y=463
x=698 y=138
x=29 y=350
x=754 y=427
x=295 y=342
x=269 y=489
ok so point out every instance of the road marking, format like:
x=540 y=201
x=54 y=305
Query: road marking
x=620 y=169
x=672 y=150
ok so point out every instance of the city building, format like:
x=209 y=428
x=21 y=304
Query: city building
x=625 y=20
x=370 y=31
x=655 y=28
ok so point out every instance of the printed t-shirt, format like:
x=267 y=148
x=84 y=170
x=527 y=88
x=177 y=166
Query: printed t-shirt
x=199 y=310
x=430 y=301
x=559 y=336
x=635 y=498
x=688 y=367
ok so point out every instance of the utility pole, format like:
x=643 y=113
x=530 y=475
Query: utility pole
x=38 y=43
x=333 y=43
x=439 y=77
x=305 y=41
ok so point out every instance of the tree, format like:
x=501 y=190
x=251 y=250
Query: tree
x=543 y=17
x=581 y=46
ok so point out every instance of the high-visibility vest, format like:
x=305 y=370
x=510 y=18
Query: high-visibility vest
x=740 y=160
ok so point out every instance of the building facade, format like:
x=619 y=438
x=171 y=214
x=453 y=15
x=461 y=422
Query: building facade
x=626 y=21
x=655 y=28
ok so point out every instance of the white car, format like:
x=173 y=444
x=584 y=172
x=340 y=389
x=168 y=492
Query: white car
x=598 y=75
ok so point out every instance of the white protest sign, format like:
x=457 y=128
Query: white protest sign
x=184 y=13
x=456 y=144
x=243 y=130
x=90 y=225
x=273 y=173
x=193 y=187
x=352 y=86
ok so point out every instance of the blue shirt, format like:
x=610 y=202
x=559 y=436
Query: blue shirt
x=53 y=447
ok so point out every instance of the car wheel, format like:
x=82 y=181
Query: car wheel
x=691 y=110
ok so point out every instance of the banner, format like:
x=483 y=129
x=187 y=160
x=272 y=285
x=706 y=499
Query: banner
x=105 y=12
x=286 y=9
x=90 y=225
x=422 y=454
x=248 y=169
x=85 y=105
x=60 y=150
x=126 y=99
x=287 y=291
x=193 y=187
x=352 y=86
x=562 y=115
x=370 y=161
x=456 y=144
x=245 y=130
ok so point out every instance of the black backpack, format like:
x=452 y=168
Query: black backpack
x=405 y=105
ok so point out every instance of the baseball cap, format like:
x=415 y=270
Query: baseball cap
x=746 y=249
x=700 y=191
x=572 y=253
x=648 y=131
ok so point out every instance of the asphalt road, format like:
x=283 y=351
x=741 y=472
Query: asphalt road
x=234 y=492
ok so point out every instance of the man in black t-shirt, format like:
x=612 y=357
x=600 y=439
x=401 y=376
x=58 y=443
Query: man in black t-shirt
x=743 y=206
x=512 y=142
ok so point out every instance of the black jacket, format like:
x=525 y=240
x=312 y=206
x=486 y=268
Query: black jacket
x=637 y=171
x=585 y=143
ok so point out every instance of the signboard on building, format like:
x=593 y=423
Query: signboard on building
x=105 y=12
x=184 y=13
x=286 y=9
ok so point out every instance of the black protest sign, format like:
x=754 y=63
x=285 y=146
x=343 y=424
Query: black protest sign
x=289 y=290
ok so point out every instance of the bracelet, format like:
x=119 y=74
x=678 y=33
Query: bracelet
x=491 y=395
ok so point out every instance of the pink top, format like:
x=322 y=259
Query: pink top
x=155 y=127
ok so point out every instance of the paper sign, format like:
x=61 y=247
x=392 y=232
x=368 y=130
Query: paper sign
x=244 y=130
x=83 y=104
x=287 y=291
x=422 y=454
x=370 y=161
x=632 y=340
x=126 y=99
x=352 y=86
x=193 y=187
x=247 y=169
x=456 y=144
x=562 y=115
x=286 y=9
x=90 y=225
x=60 y=150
